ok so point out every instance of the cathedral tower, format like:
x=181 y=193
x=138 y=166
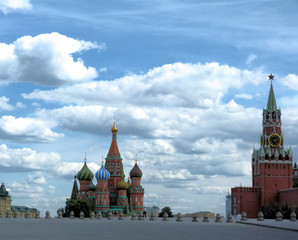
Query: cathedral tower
x=114 y=166
x=102 y=193
x=85 y=176
x=136 y=191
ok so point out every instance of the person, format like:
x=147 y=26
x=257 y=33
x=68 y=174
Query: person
x=144 y=212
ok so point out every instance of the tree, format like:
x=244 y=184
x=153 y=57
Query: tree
x=77 y=206
x=62 y=210
x=271 y=211
x=167 y=210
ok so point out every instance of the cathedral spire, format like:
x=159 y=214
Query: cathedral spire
x=75 y=189
x=271 y=104
x=114 y=151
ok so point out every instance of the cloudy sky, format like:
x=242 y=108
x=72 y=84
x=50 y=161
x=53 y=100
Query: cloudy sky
x=186 y=82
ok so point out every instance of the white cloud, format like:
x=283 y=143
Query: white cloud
x=290 y=81
x=37 y=178
x=7 y=6
x=27 y=130
x=244 y=96
x=250 y=59
x=178 y=84
x=42 y=163
x=46 y=59
x=4 y=104
x=20 y=105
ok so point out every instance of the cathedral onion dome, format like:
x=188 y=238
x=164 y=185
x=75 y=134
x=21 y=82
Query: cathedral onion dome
x=85 y=173
x=102 y=173
x=114 y=128
x=91 y=187
x=122 y=185
x=136 y=171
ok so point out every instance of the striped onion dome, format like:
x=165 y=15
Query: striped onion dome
x=122 y=185
x=136 y=171
x=91 y=187
x=102 y=173
x=85 y=173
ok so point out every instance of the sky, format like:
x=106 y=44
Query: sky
x=185 y=81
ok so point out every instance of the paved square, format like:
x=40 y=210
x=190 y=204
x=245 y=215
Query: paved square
x=75 y=229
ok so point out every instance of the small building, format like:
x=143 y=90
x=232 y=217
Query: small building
x=5 y=205
x=23 y=210
x=228 y=204
x=5 y=200
x=153 y=209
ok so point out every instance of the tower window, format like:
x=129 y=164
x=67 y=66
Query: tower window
x=273 y=115
x=287 y=157
x=266 y=157
x=267 y=115
x=280 y=157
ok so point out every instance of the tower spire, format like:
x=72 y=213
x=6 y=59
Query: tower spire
x=114 y=151
x=271 y=104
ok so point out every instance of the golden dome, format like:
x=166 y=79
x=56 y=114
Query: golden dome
x=114 y=128
x=122 y=185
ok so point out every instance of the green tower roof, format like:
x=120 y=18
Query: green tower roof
x=271 y=104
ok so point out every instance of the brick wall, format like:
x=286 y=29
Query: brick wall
x=289 y=196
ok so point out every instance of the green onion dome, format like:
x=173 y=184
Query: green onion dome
x=122 y=185
x=85 y=173
x=136 y=171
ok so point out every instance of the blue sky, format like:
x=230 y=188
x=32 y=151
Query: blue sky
x=186 y=82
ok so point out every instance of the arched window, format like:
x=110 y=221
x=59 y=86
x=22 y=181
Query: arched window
x=287 y=157
x=280 y=157
x=273 y=115
x=267 y=115
x=266 y=157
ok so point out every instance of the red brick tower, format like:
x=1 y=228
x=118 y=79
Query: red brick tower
x=136 y=191
x=272 y=168
x=114 y=166
x=271 y=164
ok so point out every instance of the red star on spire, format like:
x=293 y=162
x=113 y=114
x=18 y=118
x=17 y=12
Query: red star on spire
x=271 y=77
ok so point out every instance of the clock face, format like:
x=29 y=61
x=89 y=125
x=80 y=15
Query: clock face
x=274 y=140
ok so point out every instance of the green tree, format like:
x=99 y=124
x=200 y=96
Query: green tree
x=62 y=210
x=271 y=211
x=77 y=206
x=166 y=209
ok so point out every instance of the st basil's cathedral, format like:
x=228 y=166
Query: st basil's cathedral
x=112 y=192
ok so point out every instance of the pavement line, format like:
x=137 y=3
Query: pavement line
x=268 y=226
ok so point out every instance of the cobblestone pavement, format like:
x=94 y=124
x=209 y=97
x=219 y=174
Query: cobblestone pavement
x=76 y=229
